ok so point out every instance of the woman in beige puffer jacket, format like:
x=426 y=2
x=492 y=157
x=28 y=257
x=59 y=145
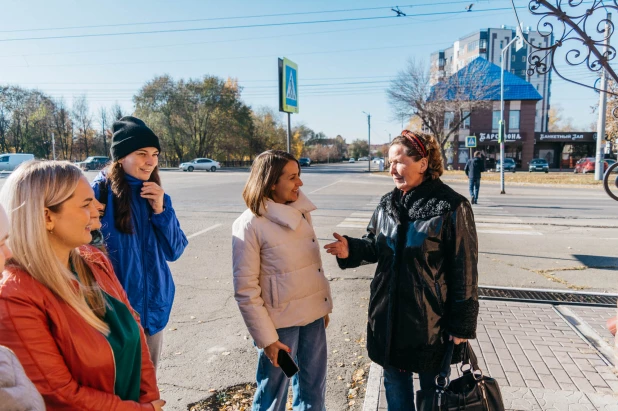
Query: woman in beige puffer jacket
x=279 y=283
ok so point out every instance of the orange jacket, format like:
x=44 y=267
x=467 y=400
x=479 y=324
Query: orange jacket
x=69 y=362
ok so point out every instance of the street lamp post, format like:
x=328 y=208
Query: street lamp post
x=599 y=160
x=501 y=128
x=369 y=138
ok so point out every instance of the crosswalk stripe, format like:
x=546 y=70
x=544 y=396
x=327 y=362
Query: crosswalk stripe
x=509 y=232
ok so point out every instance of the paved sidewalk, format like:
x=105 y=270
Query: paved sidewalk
x=544 y=357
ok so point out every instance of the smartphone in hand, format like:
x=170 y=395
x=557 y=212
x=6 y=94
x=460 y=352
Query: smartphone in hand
x=287 y=364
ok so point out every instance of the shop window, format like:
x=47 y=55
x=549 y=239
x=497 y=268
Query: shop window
x=466 y=123
x=495 y=120
x=514 y=120
x=449 y=116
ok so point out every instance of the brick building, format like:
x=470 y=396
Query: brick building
x=520 y=105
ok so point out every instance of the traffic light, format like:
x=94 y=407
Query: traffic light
x=500 y=131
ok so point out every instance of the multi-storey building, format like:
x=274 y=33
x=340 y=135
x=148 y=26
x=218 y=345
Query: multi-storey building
x=488 y=43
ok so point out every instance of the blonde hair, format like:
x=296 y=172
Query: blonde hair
x=31 y=188
x=265 y=172
x=435 y=166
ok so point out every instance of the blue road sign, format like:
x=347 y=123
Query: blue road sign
x=289 y=86
x=471 y=142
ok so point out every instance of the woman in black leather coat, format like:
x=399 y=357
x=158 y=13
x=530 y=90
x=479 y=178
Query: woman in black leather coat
x=423 y=238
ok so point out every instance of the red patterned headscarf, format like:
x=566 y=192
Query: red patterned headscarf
x=415 y=141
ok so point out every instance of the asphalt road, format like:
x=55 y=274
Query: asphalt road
x=540 y=237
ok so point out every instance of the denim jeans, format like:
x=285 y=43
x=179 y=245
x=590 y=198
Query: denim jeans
x=308 y=345
x=475 y=185
x=400 y=389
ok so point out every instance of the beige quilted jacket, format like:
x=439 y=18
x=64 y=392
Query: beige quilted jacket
x=279 y=280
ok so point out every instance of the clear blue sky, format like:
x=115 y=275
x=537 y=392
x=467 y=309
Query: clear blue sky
x=366 y=52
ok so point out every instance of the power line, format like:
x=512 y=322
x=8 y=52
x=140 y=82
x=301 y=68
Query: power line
x=297 y=23
x=229 y=18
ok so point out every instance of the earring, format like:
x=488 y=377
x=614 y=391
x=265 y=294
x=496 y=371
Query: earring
x=50 y=231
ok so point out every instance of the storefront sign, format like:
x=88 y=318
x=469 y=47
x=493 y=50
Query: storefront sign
x=493 y=137
x=567 y=137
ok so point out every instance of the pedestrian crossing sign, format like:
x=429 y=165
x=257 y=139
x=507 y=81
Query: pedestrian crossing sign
x=471 y=142
x=288 y=86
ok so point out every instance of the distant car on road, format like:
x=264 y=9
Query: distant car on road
x=376 y=160
x=538 y=164
x=93 y=163
x=304 y=162
x=586 y=165
x=200 y=164
x=509 y=165
x=363 y=159
x=351 y=160
x=10 y=161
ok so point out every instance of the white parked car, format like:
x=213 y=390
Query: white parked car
x=377 y=160
x=10 y=161
x=351 y=160
x=201 y=164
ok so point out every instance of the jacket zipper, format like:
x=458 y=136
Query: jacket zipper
x=439 y=295
x=144 y=271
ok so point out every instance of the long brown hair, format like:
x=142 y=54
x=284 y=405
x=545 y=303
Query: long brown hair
x=435 y=166
x=117 y=179
x=31 y=188
x=265 y=172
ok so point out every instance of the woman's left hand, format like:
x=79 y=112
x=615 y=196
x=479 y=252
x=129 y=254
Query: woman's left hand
x=326 y=320
x=154 y=194
x=457 y=340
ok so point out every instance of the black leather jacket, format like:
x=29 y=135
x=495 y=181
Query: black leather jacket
x=426 y=281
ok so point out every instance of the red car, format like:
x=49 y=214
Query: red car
x=586 y=165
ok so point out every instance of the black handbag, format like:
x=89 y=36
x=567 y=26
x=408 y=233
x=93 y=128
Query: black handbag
x=473 y=391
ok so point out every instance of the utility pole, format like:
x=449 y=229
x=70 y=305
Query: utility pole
x=369 y=138
x=599 y=161
x=501 y=127
x=53 y=146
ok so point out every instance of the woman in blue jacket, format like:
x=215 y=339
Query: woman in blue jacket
x=140 y=227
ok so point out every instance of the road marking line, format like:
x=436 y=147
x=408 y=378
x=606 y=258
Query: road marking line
x=482 y=219
x=509 y=232
x=344 y=225
x=204 y=231
x=498 y=225
x=367 y=215
x=321 y=188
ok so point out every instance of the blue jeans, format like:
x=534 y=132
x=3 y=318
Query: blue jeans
x=400 y=389
x=308 y=345
x=475 y=185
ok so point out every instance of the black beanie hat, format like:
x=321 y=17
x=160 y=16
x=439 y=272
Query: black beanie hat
x=130 y=134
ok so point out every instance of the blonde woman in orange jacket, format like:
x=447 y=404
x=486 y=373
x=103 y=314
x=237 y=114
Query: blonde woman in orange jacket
x=62 y=310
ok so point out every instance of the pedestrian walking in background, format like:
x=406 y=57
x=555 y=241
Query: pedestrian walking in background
x=423 y=238
x=474 y=167
x=62 y=310
x=17 y=393
x=140 y=227
x=279 y=283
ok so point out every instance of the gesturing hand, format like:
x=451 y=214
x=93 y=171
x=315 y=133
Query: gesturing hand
x=339 y=248
x=154 y=194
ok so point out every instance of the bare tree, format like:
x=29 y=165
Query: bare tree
x=116 y=112
x=104 y=123
x=442 y=108
x=83 y=120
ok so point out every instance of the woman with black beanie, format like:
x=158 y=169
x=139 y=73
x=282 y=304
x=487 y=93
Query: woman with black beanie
x=140 y=227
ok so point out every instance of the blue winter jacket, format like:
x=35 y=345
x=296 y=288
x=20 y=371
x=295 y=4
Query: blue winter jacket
x=140 y=259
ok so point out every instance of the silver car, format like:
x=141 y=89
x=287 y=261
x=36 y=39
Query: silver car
x=200 y=164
